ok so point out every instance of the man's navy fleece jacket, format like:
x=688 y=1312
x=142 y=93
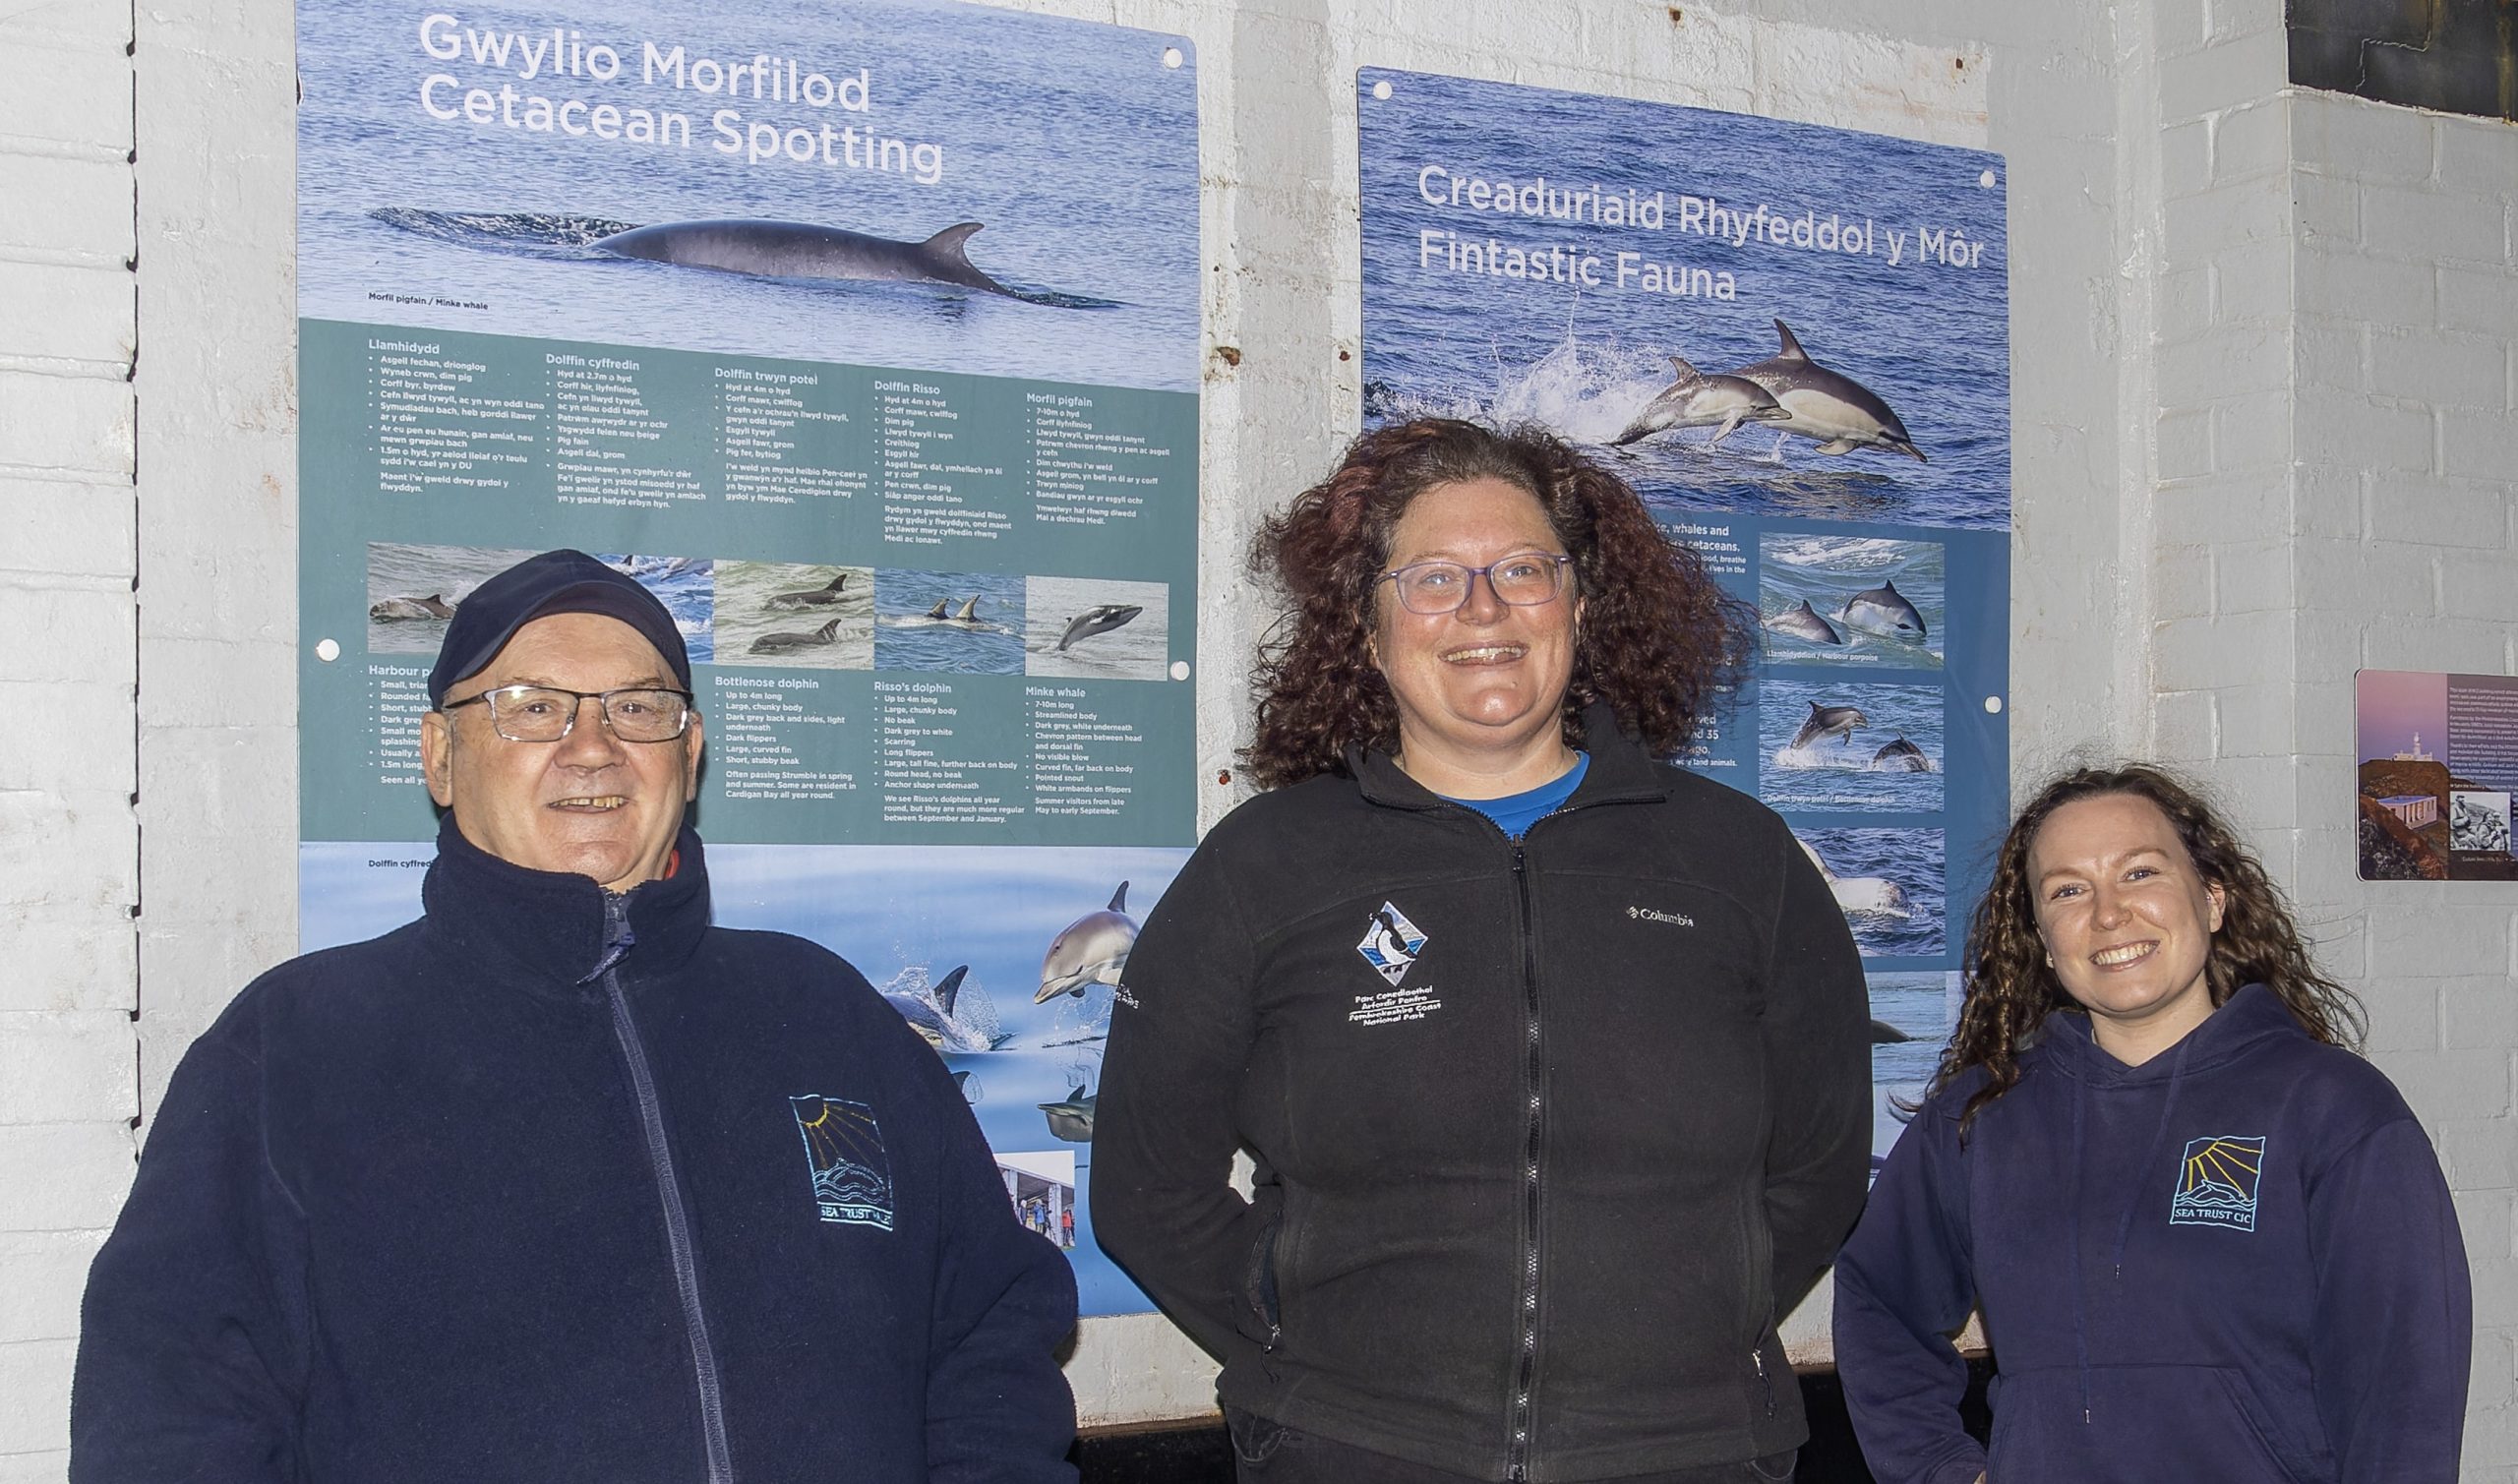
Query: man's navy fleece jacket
x=2233 y=1264
x=552 y=1185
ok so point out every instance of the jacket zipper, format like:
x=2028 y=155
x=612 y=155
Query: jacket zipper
x=685 y=1271
x=1765 y=1383
x=1527 y=1369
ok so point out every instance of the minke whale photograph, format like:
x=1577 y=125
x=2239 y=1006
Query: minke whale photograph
x=949 y=222
x=1890 y=883
x=1851 y=600
x=413 y=591
x=1838 y=745
x=1738 y=314
x=1097 y=629
x=962 y=623
x=808 y=614
x=1002 y=959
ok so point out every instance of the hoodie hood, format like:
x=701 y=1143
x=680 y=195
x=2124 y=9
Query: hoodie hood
x=2252 y=1018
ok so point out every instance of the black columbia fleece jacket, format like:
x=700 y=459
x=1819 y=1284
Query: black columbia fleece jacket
x=1548 y=1132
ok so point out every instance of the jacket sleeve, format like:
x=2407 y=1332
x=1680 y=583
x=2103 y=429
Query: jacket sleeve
x=1904 y=1284
x=1816 y=1037
x=1165 y=1131
x=192 y=1352
x=998 y=1411
x=2394 y=1326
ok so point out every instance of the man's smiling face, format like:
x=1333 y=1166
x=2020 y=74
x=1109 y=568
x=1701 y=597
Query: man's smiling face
x=589 y=803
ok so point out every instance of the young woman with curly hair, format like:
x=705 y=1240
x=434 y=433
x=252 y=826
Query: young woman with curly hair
x=2207 y=1240
x=1551 y=1058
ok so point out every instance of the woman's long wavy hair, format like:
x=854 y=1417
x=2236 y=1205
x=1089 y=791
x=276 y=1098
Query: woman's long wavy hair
x=2011 y=987
x=1656 y=641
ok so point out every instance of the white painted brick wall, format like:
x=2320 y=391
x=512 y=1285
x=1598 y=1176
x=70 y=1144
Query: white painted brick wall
x=69 y=839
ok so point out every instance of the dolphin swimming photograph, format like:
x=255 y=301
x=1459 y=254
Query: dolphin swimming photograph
x=809 y=183
x=686 y=587
x=812 y=614
x=1831 y=744
x=1851 y=600
x=1004 y=958
x=412 y=591
x=1097 y=629
x=1890 y=883
x=963 y=623
x=1736 y=313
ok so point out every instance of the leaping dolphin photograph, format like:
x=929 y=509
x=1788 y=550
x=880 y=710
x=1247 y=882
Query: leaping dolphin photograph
x=1091 y=950
x=932 y=1013
x=1698 y=400
x=1825 y=722
x=1098 y=629
x=1824 y=406
x=1101 y=620
x=1872 y=747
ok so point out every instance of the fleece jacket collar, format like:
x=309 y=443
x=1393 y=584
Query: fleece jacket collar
x=548 y=929
x=1620 y=772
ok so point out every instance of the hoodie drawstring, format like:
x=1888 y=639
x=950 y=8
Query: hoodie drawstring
x=2132 y=1200
x=2081 y=1180
x=2159 y=1136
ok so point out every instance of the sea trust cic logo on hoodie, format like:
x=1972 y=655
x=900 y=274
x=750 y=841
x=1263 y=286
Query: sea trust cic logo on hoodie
x=2218 y=1183
x=852 y=1173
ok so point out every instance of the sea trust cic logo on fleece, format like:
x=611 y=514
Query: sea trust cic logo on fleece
x=1391 y=944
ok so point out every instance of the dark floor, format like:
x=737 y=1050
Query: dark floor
x=1201 y=1453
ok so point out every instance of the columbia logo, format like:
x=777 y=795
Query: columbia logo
x=1651 y=915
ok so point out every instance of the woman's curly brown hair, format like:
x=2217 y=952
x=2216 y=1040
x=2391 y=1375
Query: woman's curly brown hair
x=2013 y=986
x=1658 y=639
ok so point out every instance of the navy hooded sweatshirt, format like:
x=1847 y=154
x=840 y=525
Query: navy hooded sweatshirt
x=2235 y=1262
x=555 y=1185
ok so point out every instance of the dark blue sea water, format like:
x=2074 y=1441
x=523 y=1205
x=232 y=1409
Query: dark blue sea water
x=1074 y=145
x=1931 y=341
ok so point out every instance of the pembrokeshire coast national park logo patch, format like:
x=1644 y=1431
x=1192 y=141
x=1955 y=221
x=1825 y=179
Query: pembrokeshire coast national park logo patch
x=852 y=1175
x=1391 y=943
x=2218 y=1183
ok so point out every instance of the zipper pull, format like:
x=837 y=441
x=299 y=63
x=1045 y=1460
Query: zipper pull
x=1758 y=1362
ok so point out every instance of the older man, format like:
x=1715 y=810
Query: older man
x=560 y=1182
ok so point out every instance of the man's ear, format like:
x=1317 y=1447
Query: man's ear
x=694 y=741
x=436 y=756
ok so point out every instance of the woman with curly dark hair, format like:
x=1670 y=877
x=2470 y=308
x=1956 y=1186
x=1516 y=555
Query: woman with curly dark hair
x=2208 y=1242
x=1551 y=1058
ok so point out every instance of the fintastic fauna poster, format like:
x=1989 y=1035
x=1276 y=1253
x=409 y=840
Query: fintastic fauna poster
x=1794 y=343
x=866 y=336
x=2439 y=767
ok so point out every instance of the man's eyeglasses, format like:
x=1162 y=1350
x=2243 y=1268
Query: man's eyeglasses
x=545 y=713
x=1433 y=588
